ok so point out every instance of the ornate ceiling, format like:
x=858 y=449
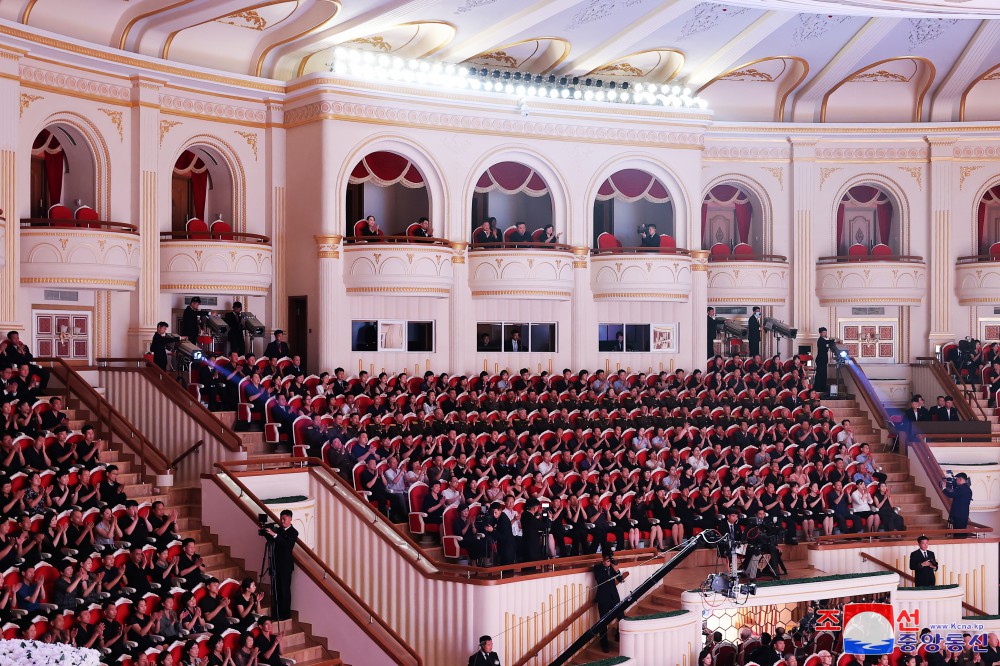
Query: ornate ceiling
x=753 y=60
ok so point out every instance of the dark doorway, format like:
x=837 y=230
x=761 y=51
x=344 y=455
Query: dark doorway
x=298 y=327
x=355 y=207
x=604 y=218
x=182 y=202
x=40 y=201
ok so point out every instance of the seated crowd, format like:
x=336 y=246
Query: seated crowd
x=522 y=467
x=85 y=565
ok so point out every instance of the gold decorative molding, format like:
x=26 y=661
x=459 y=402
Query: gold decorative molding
x=826 y=172
x=778 y=173
x=248 y=18
x=69 y=280
x=966 y=171
x=748 y=74
x=524 y=292
x=756 y=299
x=328 y=247
x=700 y=255
x=211 y=288
x=375 y=41
x=891 y=300
x=166 y=126
x=397 y=290
x=864 y=75
x=642 y=294
x=251 y=139
x=917 y=173
x=27 y=100
x=116 y=119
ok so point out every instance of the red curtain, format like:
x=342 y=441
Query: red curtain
x=54 y=175
x=385 y=169
x=199 y=187
x=982 y=228
x=704 y=222
x=840 y=223
x=743 y=212
x=884 y=213
x=512 y=178
x=631 y=185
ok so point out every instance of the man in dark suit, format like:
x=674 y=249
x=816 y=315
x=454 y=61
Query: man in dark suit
x=284 y=537
x=753 y=331
x=649 y=237
x=520 y=234
x=619 y=343
x=531 y=531
x=514 y=344
x=916 y=412
x=948 y=412
x=503 y=534
x=961 y=499
x=236 y=336
x=191 y=320
x=158 y=345
x=713 y=331
x=923 y=563
x=423 y=230
x=485 y=656
x=823 y=344
x=277 y=348
x=607 y=577
x=769 y=653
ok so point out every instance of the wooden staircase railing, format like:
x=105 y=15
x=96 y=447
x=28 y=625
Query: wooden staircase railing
x=908 y=577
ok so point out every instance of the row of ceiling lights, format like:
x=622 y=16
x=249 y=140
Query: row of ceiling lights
x=369 y=66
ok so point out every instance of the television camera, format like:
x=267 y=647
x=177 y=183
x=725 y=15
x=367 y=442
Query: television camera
x=779 y=328
x=964 y=354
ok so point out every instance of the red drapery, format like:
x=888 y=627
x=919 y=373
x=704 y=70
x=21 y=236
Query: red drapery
x=385 y=169
x=512 y=178
x=47 y=147
x=192 y=166
x=632 y=185
x=992 y=196
x=868 y=196
x=730 y=195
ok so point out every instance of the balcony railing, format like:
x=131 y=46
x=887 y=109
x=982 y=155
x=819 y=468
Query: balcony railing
x=47 y=223
x=763 y=258
x=866 y=258
x=640 y=250
x=411 y=240
x=532 y=245
x=222 y=237
x=978 y=258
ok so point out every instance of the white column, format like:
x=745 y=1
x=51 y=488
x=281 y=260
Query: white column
x=699 y=308
x=274 y=153
x=941 y=259
x=10 y=232
x=147 y=209
x=583 y=336
x=461 y=324
x=335 y=332
x=802 y=257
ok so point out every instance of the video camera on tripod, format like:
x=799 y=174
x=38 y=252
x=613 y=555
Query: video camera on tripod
x=264 y=524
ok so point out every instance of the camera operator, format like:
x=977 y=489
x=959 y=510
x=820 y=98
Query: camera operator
x=534 y=527
x=957 y=488
x=763 y=535
x=158 y=345
x=607 y=577
x=283 y=536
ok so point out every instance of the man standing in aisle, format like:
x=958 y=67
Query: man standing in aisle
x=284 y=538
x=485 y=656
x=607 y=577
x=923 y=564
x=823 y=345
x=753 y=331
x=713 y=330
x=961 y=499
x=191 y=321
x=237 y=338
x=277 y=348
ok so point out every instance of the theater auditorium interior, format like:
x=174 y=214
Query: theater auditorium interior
x=482 y=293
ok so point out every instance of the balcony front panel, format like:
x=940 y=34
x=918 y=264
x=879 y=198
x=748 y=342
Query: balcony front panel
x=874 y=282
x=214 y=265
x=977 y=281
x=641 y=276
x=80 y=258
x=521 y=273
x=398 y=269
x=759 y=282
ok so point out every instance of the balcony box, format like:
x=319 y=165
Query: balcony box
x=889 y=280
x=399 y=266
x=977 y=280
x=532 y=271
x=70 y=254
x=641 y=274
x=763 y=279
x=232 y=262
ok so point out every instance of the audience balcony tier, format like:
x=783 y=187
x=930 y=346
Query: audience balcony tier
x=398 y=266
x=883 y=280
x=977 y=279
x=233 y=261
x=73 y=254
x=641 y=273
x=764 y=278
x=533 y=271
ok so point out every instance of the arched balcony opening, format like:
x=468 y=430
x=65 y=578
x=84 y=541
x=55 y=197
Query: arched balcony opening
x=63 y=181
x=201 y=192
x=868 y=225
x=633 y=212
x=988 y=224
x=387 y=201
x=512 y=207
x=732 y=223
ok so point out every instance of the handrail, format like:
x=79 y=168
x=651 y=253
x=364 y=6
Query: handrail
x=445 y=570
x=722 y=258
x=977 y=258
x=216 y=236
x=149 y=454
x=898 y=258
x=948 y=385
x=902 y=574
x=967 y=388
x=979 y=531
x=932 y=468
x=95 y=225
x=533 y=651
x=174 y=392
x=867 y=391
x=389 y=240
x=523 y=245
x=639 y=250
x=304 y=552
x=197 y=445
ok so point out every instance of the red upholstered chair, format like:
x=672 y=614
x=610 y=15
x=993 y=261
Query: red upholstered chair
x=359 y=225
x=507 y=233
x=995 y=251
x=743 y=250
x=813 y=660
x=197 y=229
x=60 y=212
x=608 y=241
x=857 y=251
x=417 y=492
x=412 y=229
x=720 y=250
x=537 y=235
x=87 y=214
x=881 y=250
x=667 y=243
x=221 y=230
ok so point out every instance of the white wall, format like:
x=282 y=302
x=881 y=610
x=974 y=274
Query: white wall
x=509 y=209
x=395 y=207
x=628 y=217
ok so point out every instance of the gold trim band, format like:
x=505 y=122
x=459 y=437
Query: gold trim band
x=213 y=288
x=830 y=302
x=556 y=295
x=397 y=290
x=101 y=281
x=643 y=295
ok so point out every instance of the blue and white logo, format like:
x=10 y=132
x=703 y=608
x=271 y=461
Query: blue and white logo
x=868 y=629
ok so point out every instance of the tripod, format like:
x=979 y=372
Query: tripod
x=267 y=573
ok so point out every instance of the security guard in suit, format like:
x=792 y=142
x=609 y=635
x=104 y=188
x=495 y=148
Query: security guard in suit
x=923 y=563
x=485 y=656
